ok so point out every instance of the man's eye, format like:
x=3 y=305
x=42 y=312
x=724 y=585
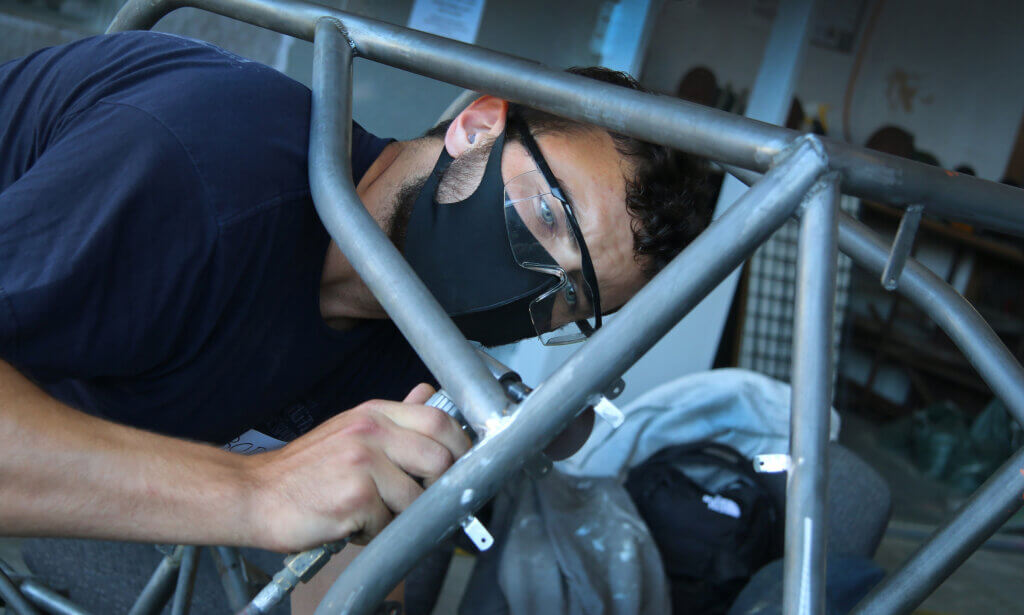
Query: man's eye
x=546 y=214
x=570 y=295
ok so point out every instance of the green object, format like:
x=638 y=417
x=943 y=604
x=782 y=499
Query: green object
x=939 y=439
x=948 y=445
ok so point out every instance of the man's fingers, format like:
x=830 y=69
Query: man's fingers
x=415 y=453
x=367 y=512
x=430 y=422
x=419 y=394
x=397 y=489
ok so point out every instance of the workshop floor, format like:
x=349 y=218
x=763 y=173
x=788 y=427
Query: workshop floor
x=989 y=582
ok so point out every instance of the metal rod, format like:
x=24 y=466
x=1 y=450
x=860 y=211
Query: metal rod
x=660 y=119
x=995 y=501
x=901 y=246
x=551 y=406
x=13 y=599
x=298 y=568
x=965 y=327
x=986 y=510
x=186 y=581
x=232 y=576
x=949 y=309
x=436 y=339
x=158 y=589
x=1003 y=541
x=807 y=487
x=49 y=600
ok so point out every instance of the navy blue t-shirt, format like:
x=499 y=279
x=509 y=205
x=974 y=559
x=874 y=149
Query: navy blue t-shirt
x=160 y=257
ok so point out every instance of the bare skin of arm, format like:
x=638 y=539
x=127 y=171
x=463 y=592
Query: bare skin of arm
x=65 y=473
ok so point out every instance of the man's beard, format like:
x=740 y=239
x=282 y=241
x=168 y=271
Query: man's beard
x=398 y=222
x=463 y=173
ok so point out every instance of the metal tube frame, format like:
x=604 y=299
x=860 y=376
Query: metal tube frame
x=792 y=164
x=806 y=512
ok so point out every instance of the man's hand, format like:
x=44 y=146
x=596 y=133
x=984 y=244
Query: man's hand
x=65 y=473
x=351 y=475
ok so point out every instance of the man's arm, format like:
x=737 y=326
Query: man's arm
x=63 y=472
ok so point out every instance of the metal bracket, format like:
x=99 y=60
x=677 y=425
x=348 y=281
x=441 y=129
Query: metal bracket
x=770 y=464
x=477 y=533
x=901 y=246
x=605 y=409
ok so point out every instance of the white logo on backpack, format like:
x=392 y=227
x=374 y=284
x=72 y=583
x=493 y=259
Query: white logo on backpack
x=722 y=506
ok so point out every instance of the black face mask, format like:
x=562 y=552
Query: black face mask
x=461 y=252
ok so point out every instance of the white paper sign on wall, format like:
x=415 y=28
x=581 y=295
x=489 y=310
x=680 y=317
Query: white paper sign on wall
x=456 y=19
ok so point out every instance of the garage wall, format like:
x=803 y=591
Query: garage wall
x=947 y=71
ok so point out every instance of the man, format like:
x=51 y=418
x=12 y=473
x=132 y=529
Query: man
x=163 y=273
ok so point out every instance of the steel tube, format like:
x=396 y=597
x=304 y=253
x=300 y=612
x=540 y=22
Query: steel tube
x=949 y=309
x=13 y=599
x=806 y=486
x=1004 y=540
x=49 y=600
x=995 y=501
x=158 y=589
x=476 y=477
x=186 y=581
x=987 y=509
x=436 y=339
x=231 y=570
x=902 y=246
x=955 y=315
x=693 y=128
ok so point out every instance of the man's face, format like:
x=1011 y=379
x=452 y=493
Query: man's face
x=590 y=172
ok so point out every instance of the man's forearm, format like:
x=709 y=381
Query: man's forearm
x=63 y=472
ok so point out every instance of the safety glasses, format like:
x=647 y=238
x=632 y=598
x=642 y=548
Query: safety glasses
x=545 y=236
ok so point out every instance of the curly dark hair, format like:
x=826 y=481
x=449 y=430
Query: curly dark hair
x=669 y=196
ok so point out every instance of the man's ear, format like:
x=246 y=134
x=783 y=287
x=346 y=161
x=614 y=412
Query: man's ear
x=483 y=118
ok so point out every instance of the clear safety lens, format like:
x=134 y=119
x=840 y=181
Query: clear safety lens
x=542 y=240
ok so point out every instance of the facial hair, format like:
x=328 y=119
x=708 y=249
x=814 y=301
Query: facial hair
x=459 y=181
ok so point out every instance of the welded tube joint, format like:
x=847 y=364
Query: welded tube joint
x=231 y=570
x=160 y=586
x=699 y=130
x=474 y=478
x=866 y=174
x=405 y=298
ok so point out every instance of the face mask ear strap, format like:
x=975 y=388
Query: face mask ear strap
x=589 y=275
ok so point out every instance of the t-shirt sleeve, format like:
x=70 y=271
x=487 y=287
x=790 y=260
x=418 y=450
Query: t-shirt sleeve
x=103 y=245
x=366 y=147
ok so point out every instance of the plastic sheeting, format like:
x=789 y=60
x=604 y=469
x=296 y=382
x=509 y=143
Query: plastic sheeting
x=742 y=409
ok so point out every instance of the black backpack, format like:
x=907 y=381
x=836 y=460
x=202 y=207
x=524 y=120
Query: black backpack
x=713 y=520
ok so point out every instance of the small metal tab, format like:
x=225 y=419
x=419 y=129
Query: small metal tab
x=477 y=533
x=778 y=462
x=901 y=246
x=609 y=412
